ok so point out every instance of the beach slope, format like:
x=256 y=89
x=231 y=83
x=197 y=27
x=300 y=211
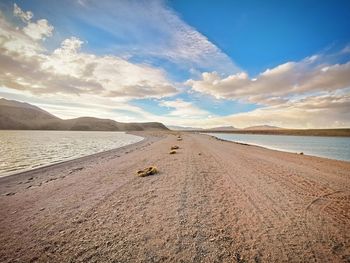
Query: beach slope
x=212 y=201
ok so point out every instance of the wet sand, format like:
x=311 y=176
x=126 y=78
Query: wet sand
x=213 y=201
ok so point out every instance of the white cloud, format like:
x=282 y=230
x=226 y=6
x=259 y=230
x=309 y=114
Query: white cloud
x=322 y=111
x=184 y=109
x=68 y=70
x=38 y=30
x=304 y=94
x=276 y=85
x=186 y=44
x=69 y=46
x=152 y=29
x=24 y=16
x=13 y=39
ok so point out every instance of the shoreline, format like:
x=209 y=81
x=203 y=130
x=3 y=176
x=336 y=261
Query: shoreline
x=147 y=138
x=277 y=149
x=14 y=173
x=211 y=201
x=338 y=132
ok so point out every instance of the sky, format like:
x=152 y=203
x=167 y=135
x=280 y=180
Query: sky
x=184 y=63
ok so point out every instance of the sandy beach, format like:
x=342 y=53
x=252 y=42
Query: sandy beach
x=212 y=201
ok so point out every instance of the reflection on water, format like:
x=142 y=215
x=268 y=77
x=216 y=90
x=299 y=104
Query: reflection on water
x=23 y=150
x=330 y=147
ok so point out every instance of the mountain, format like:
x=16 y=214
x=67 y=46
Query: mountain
x=262 y=127
x=19 y=115
x=15 y=115
x=223 y=128
x=182 y=128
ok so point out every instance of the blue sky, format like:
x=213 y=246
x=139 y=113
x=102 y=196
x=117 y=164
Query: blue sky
x=263 y=34
x=189 y=63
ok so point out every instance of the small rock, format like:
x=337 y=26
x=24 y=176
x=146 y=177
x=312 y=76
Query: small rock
x=10 y=193
x=147 y=171
x=41 y=209
x=212 y=240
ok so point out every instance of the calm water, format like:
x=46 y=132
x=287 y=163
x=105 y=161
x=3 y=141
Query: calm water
x=329 y=147
x=24 y=150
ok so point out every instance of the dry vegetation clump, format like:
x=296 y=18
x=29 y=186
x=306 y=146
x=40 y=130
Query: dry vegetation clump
x=147 y=171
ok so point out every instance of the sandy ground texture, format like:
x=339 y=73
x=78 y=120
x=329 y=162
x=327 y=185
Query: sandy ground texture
x=213 y=201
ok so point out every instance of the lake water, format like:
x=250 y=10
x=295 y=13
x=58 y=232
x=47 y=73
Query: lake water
x=330 y=147
x=25 y=150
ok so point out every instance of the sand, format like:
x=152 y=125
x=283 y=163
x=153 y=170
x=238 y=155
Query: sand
x=212 y=201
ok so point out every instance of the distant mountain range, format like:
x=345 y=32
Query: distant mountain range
x=262 y=127
x=185 y=128
x=182 y=128
x=15 y=115
x=225 y=128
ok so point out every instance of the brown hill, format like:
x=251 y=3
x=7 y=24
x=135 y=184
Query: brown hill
x=16 y=115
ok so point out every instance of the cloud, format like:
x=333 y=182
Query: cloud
x=325 y=111
x=306 y=94
x=12 y=39
x=276 y=85
x=153 y=30
x=71 y=82
x=320 y=111
x=38 y=30
x=69 y=46
x=184 y=109
x=24 y=16
x=26 y=65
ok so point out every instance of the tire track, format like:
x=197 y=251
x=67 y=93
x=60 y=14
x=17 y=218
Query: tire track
x=289 y=219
